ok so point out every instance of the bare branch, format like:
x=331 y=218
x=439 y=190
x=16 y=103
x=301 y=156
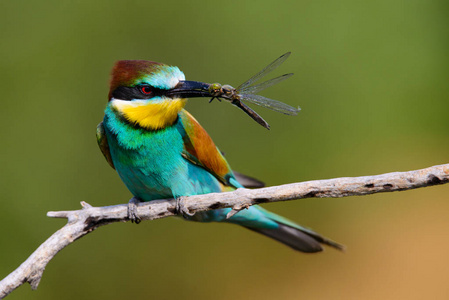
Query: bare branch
x=81 y=222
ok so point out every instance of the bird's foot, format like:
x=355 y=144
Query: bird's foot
x=182 y=209
x=132 y=210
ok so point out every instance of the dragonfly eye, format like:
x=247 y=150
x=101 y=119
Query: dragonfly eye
x=215 y=89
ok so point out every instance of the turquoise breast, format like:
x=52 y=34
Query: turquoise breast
x=150 y=163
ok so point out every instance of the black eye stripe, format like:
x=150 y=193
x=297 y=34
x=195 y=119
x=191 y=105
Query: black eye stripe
x=130 y=93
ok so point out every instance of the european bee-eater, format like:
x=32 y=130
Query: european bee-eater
x=160 y=151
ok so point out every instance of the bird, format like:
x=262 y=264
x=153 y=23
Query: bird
x=160 y=151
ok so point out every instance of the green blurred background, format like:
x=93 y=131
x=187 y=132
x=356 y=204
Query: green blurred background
x=371 y=78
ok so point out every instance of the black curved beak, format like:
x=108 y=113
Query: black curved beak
x=190 y=89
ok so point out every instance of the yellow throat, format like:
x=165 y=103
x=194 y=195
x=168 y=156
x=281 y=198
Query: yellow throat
x=149 y=114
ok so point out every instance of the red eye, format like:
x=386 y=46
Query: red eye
x=146 y=90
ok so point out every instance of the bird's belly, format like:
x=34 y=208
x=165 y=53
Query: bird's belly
x=157 y=170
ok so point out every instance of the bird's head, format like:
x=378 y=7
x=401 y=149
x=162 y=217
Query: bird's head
x=150 y=94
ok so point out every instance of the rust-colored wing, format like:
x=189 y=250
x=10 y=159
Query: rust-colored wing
x=200 y=150
x=103 y=144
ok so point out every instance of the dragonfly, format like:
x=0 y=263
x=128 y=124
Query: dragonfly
x=247 y=91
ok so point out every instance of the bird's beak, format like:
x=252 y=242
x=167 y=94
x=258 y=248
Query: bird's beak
x=190 y=89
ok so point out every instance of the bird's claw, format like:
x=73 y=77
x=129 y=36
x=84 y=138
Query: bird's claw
x=182 y=209
x=132 y=210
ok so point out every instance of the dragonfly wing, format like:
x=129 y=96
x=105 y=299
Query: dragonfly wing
x=270 y=103
x=261 y=86
x=265 y=71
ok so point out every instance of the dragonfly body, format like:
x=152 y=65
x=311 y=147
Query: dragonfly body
x=246 y=92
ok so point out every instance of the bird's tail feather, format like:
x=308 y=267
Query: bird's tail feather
x=293 y=235
x=304 y=241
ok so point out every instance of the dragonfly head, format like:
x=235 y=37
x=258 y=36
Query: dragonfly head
x=215 y=89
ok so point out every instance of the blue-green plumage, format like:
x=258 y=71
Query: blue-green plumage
x=150 y=163
x=160 y=151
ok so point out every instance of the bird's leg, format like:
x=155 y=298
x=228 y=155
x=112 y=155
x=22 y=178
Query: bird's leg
x=132 y=210
x=182 y=209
